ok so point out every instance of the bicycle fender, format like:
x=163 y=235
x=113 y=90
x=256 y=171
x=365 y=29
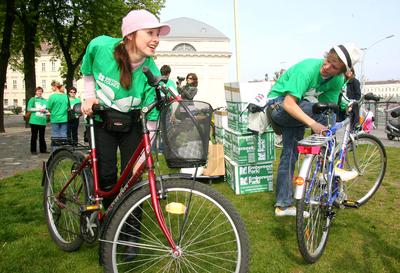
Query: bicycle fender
x=303 y=173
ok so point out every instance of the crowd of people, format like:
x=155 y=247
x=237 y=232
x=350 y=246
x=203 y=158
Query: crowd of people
x=53 y=110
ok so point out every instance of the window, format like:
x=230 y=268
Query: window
x=15 y=102
x=43 y=84
x=5 y=102
x=15 y=84
x=184 y=47
x=43 y=67
x=53 y=66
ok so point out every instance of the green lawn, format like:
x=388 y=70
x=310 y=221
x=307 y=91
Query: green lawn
x=361 y=240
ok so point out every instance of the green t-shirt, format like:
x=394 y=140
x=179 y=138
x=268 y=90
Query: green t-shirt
x=304 y=81
x=58 y=106
x=36 y=104
x=99 y=61
x=74 y=101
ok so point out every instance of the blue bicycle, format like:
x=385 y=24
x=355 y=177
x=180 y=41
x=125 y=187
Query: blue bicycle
x=333 y=176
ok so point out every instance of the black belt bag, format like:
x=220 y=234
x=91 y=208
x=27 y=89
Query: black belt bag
x=116 y=121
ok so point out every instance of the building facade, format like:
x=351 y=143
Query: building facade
x=195 y=47
x=384 y=89
x=191 y=47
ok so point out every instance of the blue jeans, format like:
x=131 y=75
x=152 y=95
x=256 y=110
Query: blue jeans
x=58 y=131
x=292 y=132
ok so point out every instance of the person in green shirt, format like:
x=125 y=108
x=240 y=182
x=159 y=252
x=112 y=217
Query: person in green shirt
x=112 y=73
x=294 y=94
x=58 y=108
x=73 y=124
x=38 y=120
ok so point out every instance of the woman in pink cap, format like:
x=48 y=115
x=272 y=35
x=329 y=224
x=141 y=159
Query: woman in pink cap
x=112 y=72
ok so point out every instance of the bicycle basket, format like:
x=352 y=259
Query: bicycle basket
x=185 y=130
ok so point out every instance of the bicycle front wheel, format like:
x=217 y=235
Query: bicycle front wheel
x=368 y=156
x=205 y=226
x=313 y=213
x=62 y=211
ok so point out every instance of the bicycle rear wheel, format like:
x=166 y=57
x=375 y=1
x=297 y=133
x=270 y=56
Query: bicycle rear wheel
x=368 y=156
x=312 y=214
x=63 y=213
x=211 y=239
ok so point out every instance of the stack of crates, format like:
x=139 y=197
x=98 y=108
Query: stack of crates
x=248 y=157
x=220 y=124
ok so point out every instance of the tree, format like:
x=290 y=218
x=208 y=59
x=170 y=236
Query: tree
x=80 y=22
x=67 y=26
x=28 y=13
x=9 y=18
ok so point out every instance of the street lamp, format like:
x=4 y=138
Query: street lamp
x=363 y=58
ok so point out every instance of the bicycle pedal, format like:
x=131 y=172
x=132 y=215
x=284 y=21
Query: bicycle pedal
x=351 y=204
x=85 y=208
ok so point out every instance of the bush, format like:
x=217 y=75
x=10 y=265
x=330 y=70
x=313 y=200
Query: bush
x=16 y=110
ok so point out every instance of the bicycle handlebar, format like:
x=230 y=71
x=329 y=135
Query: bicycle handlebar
x=370 y=96
x=151 y=79
x=395 y=113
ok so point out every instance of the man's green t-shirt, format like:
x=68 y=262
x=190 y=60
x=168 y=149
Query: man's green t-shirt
x=99 y=62
x=37 y=117
x=58 y=107
x=304 y=81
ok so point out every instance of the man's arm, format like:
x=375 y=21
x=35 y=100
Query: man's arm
x=292 y=108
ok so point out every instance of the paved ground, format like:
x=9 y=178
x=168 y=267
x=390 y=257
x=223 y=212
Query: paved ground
x=15 y=153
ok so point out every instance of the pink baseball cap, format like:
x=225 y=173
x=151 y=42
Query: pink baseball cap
x=141 y=19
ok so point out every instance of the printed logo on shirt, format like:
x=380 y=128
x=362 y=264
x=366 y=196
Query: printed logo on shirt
x=312 y=95
x=109 y=81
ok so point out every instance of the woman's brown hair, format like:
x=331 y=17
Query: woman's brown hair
x=122 y=58
x=194 y=78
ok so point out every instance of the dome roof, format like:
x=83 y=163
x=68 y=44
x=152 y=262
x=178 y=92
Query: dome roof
x=188 y=27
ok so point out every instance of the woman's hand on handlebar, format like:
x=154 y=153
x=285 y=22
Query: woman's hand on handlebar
x=87 y=106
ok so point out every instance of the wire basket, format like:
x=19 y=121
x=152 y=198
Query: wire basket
x=185 y=131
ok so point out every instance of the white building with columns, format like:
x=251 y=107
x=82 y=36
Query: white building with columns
x=191 y=47
x=384 y=89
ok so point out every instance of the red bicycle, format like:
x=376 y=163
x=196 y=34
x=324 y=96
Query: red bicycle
x=165 y=223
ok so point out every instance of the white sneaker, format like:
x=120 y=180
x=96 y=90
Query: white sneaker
x=289 y=211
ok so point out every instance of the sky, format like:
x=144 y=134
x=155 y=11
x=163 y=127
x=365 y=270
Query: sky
x=277 y=34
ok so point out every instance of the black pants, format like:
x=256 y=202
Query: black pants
x=72 y=132
x=35 y=130
x=107 y=144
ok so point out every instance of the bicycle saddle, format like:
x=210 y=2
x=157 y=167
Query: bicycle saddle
x=321 y=107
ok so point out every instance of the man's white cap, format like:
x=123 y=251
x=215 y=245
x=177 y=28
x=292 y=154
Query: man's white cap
x=349 y=54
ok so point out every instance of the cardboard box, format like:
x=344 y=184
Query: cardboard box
x=219 y=134
x=249 y=148
x=221 y=119
x=248 y=178
x=238 y=122
x=245 y=91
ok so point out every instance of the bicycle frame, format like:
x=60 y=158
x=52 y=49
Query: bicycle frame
x=144 y=146
x=312 y=149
